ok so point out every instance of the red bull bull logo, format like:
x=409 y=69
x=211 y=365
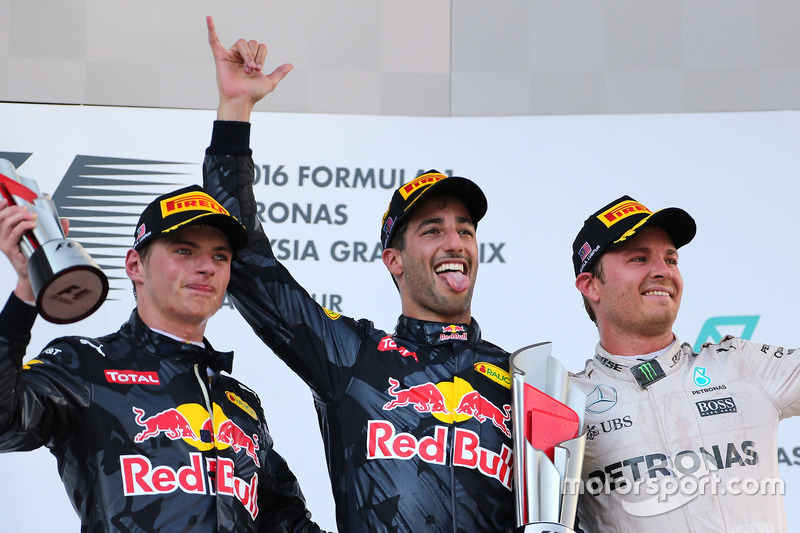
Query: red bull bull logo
x=425 y=398
x=231 y=434
x=449 y=402
x=170 y=422
x=475 y=405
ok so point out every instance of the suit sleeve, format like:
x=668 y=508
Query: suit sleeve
x=778 y=370
x=320 y=346
x=38 y=400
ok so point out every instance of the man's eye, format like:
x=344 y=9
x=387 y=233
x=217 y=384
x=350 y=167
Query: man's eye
x=182 y=251
x=222 y=257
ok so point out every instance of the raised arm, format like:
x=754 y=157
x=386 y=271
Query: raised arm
x=240 y=79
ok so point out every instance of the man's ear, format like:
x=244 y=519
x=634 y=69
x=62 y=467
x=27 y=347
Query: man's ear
x=393 y=261
x=134 y=266
x=588 y=285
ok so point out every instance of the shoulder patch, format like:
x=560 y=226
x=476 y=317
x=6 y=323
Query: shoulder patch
x=495 y=373
x=331 y=314
x=241 y=404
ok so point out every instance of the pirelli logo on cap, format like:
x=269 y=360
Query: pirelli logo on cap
x=622 y=210
x=425 y=180
x=192 y=201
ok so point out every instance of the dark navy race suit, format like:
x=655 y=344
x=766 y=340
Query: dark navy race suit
x=416 y=424
x=145 y=440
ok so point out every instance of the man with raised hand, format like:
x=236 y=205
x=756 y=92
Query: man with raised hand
x=416 y=423
x=677 y=441
x=150 y=432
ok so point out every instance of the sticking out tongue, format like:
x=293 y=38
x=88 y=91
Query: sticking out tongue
x=455 y=280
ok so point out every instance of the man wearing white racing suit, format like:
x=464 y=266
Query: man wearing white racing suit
x=677 y=441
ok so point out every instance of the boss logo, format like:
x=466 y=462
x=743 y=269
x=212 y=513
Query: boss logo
x=717 y=406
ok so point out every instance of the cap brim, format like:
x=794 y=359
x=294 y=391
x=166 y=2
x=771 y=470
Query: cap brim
x=228 y=225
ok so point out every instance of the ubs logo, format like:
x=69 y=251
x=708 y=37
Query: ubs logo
x=608 y=426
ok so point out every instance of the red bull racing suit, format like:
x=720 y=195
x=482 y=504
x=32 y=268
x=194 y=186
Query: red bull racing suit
x=416 y=424
x=145 y=440
x=686 y=442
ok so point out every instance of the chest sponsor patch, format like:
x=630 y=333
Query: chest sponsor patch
x=716 y=406
x=132 y=377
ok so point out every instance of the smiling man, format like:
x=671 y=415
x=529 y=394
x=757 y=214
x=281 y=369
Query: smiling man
x=416 y=423
x=677 y=441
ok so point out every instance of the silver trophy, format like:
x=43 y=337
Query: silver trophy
x=67 y=283
x=549 y=441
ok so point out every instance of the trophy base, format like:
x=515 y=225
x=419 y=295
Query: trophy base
x=544 y=527
x=68 y=284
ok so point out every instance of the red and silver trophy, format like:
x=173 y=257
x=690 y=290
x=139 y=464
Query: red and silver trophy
x=67 y=283
x=549 y=441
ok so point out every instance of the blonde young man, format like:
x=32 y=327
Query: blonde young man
x=149 y=430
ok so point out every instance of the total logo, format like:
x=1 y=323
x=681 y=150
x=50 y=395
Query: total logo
x=192 y=424
x=448 y=402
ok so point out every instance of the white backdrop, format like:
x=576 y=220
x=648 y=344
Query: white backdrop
x=735 y=173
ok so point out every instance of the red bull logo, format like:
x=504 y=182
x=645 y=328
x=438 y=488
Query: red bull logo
x=192 y=424
x=449 y=402
x=231 y=434
x=453 y=332
x=171 y=422
x=425 y=398
x=475 y=405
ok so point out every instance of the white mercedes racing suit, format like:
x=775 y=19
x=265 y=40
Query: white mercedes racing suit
x=687 y=442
